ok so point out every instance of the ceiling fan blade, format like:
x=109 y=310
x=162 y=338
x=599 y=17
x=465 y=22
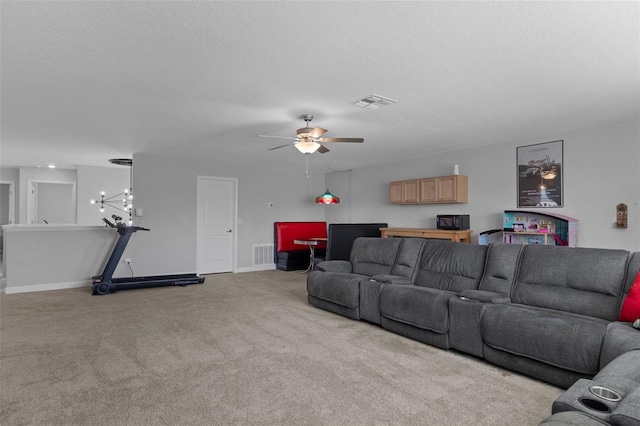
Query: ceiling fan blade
x=317 y=132
x=322 y=149
x=359 y=140
x=279 y=137
x=278 y=147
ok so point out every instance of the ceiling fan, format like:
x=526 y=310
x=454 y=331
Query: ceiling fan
x=308 y=140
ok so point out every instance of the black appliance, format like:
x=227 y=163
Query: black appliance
x=452 y=222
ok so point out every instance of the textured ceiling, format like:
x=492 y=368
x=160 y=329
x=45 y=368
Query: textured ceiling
x=82 y=82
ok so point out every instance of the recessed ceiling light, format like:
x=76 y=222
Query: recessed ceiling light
x=51 y=166
x=374 y=101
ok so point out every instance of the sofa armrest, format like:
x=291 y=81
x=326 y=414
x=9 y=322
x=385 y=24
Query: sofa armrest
x=628 y=411
x=619 y=338
x=485 y=296
x=392 y=279
x=334 y=266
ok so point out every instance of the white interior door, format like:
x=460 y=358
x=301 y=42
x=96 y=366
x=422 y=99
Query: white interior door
x=216 y=224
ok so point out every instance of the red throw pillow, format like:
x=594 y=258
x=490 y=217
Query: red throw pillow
x=631 y=307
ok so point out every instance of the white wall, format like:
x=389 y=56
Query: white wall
x=12 y=175
x=165 y=188
x=93 y=180
x=56 y=203
x=601 y=169
x=49 y=257
x=38 y=174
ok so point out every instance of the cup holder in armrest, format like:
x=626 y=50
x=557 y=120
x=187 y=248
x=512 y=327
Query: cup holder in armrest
x=605 y=393
x=594 y=405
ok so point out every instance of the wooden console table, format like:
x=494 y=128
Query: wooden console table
x=461 y=236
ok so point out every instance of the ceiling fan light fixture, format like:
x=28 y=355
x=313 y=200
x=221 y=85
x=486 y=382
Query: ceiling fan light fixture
x=327 y=198
x=307 y=147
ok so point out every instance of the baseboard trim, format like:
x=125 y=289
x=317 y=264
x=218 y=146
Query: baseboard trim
x=78 y=284
x=256 y=268
x=46 y=287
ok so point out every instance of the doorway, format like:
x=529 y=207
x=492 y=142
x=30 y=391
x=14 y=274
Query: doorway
x=7 y=207
x=51 y=202
x=216 y=224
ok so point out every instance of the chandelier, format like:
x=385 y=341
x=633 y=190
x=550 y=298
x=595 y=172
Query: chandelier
x=122 y=201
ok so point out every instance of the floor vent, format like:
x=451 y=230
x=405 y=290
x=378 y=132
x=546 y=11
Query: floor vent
x=262 y=254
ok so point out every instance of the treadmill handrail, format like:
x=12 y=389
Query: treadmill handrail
x=123 y=226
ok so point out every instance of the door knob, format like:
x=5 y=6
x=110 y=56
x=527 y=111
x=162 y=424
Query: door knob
x=229 y=230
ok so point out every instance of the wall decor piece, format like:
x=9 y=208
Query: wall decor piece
x=540 y=175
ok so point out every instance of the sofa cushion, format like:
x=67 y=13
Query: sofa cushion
x=420 y=307
x=336 y=287
x=500 y=268
x=585 y=281
x=409 y=253
x=450 y=266
x=374 y=256
x=561 y=339
x=631 y=307
x=334 y=266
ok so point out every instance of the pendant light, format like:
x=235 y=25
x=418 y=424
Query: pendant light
x=327 y=198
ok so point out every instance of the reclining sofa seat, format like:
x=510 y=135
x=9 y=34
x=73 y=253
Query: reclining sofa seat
x=335 y=285
x=562 y=302
x=465 y=311
x=421 y=311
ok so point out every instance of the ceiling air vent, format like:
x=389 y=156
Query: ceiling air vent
x=374 y=101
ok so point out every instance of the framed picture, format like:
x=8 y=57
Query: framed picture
x=540 y=170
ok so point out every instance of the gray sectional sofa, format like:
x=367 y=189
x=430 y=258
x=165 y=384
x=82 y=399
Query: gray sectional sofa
x=549 y=312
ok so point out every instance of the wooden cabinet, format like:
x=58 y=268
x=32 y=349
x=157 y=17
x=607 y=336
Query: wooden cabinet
x=428 y=190
x=443 y=189
x=395 y=192
x=404 y=192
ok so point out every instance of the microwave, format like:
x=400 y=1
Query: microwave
x=452 y=221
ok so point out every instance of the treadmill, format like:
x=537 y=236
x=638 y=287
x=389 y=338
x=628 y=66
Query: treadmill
x=105 y=283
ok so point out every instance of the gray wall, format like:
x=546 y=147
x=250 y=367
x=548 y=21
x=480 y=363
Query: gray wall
x=165 y=188
x=13 y=175
x=93 y=180
x=600 y=164
x=56 y=203
x=38 y=174
x=601 y=169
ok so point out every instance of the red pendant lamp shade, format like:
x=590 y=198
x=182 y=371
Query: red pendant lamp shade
x=327 y=198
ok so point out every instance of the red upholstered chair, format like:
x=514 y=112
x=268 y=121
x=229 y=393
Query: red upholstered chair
x=289 y=256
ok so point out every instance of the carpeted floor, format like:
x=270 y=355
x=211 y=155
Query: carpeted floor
x=239 y=349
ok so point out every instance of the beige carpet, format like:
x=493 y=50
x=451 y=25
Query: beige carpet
x=238 y=349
